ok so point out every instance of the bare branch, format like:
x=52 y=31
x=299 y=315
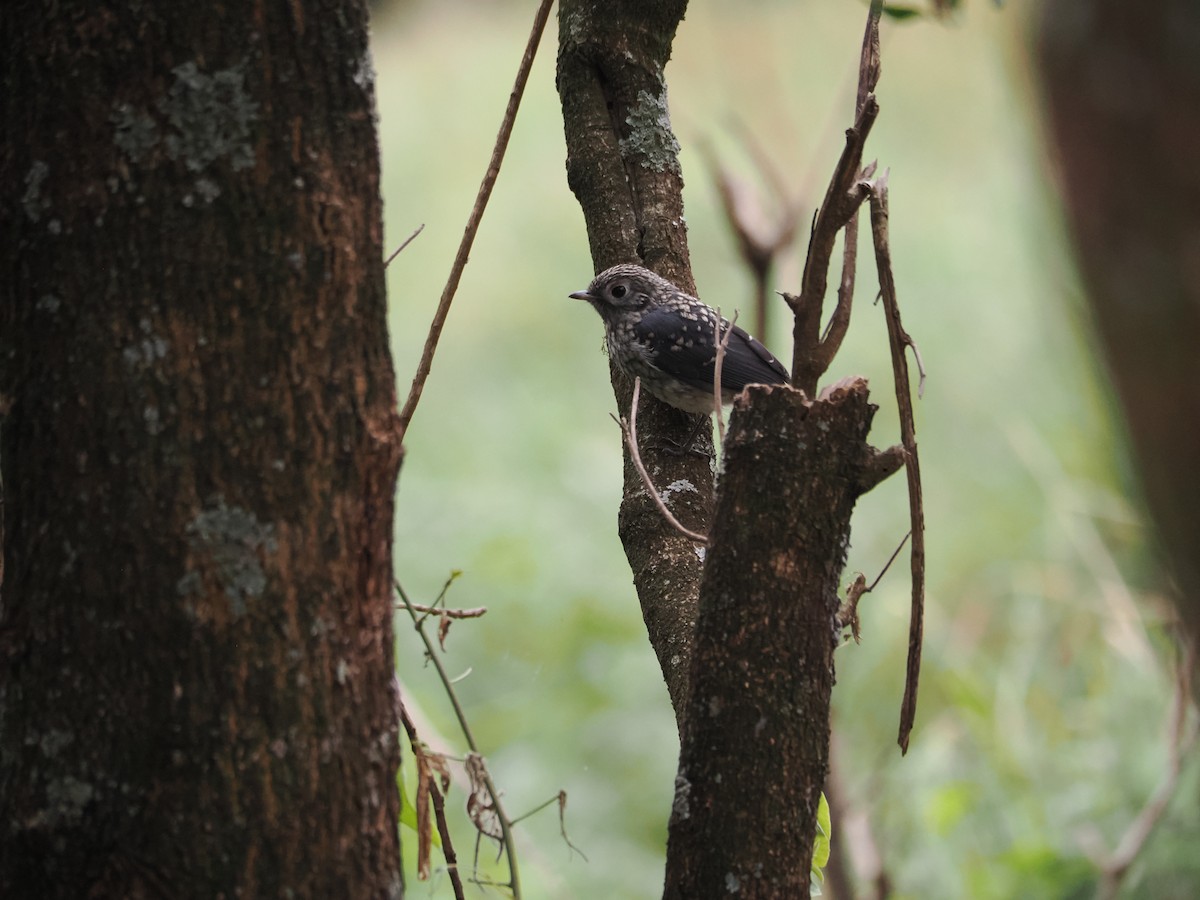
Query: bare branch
x=408 y=240
x=882 y=465
x=561 y=799
x=898 y=339
x=629 y=429
x=473 y=220
x=473 y=613
x=847 y=614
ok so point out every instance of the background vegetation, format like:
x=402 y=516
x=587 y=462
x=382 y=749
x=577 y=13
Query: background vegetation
x=1046 y=682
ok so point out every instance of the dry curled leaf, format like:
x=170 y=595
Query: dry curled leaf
x=428 y=764
x=481 y=808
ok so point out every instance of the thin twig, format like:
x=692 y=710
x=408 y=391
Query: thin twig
x=387 y=262
x=1181 y=738
x=891 y=559
x=898 y=340
x=481 y=199
x=447 y=684
x=629 y=429
x=847 y=614
x=473 y=613
x=722 y=342
x=561 y=799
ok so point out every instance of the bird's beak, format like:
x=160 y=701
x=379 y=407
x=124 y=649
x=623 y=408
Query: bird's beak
x=581 y=295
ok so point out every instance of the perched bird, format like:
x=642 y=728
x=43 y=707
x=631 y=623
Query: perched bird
x=668 y=338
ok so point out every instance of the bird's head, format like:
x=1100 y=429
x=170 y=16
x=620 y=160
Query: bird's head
x=623 y=289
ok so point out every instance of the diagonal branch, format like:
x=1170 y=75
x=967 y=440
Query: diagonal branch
x=473 y=220
x=629 y=429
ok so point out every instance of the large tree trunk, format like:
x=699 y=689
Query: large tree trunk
x=1122 y=83
x=198 y=456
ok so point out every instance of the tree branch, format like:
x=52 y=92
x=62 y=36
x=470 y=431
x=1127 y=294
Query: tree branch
x=473 y=220
x=899 y=341
x=629 y=429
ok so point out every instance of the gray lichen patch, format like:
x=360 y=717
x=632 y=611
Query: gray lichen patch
x=210 y=116
x=66 y=800
x=233 y=541
x=136 y=134
x=650 y=136
x=33 y=202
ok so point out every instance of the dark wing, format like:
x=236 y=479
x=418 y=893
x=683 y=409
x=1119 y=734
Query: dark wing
x=748 y=362
x=685 y=349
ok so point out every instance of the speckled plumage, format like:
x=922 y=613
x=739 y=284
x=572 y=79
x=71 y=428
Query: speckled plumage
x=668 y=338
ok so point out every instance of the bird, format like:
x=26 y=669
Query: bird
x=667 y=337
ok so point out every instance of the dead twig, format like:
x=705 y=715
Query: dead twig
x=847 y=614
x=561 y=800
x=722 y=342
x=481 y=200
x=473 y=613
x=899 y=340
x=629 y=429
x=446 y=616
x=506 y=837
x=408 y=240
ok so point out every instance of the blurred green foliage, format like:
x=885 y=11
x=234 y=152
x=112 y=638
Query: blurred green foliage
x=1045 y=689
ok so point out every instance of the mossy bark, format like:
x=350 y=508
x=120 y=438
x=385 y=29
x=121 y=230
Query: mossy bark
x=622 y=166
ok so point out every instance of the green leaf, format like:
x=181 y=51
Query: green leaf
x=900 y=13
x=820 y=848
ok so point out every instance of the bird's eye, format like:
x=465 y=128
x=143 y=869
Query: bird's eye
x=618 y=291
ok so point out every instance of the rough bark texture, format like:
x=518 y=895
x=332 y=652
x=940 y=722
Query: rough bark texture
x=756 y=745
x=622 y=165
x=1122 y=81
x=197 y=454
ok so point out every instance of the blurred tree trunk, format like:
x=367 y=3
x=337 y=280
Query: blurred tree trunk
x=1122 y=83
x=197 y=454
x=744 y=628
